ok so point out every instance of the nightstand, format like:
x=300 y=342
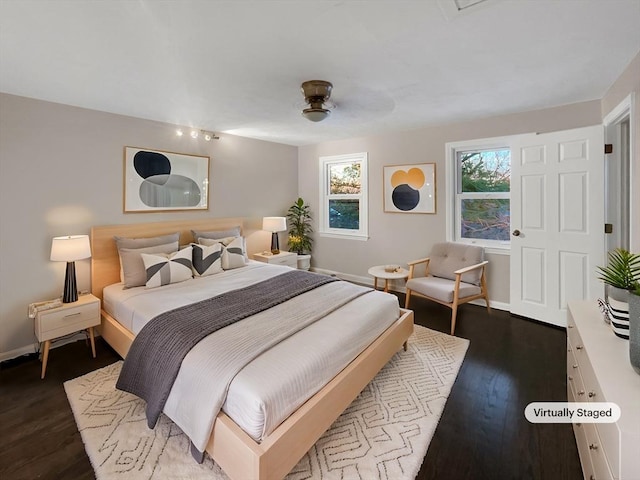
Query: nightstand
x=288 y=259
x=66 y=319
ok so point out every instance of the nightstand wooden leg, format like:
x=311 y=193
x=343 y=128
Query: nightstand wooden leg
x=45 y=357
x=93 y=342
x=386 y=285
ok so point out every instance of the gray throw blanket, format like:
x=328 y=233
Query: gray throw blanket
x=153 y=362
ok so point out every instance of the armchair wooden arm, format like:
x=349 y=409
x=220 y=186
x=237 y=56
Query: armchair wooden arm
x=413 y=263
x=470 y=268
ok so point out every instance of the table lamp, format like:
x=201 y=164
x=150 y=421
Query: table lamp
x=274 y=225
x=69 y=249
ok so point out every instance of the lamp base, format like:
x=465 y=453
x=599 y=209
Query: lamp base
x=70 y=293
x=275 y=243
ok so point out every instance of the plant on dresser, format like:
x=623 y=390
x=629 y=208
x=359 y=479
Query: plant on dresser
x=634 y=328
x=620 y=276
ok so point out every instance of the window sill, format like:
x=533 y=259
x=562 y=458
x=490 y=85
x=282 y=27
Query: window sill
x=346 y=236
x=498 y=250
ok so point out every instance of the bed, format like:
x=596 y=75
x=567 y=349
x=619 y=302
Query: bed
x=244 y=455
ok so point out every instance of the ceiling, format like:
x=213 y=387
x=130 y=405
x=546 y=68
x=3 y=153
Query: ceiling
x=237 y=66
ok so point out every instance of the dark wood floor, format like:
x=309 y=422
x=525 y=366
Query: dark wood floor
x=482 y=433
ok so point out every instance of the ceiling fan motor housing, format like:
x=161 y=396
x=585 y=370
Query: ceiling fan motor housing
x=316 y=92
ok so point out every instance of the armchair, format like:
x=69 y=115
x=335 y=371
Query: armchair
x=454 y=274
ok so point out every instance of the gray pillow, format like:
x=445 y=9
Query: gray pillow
x=215 y=234
x=123 y=242
x=134 y=273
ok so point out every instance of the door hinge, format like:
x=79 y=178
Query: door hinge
x=608 y=148
x=608 y=228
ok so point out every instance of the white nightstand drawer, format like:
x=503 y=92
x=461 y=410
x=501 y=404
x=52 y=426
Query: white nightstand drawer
x=289 y=261
x=283 y=258
x=67 y=319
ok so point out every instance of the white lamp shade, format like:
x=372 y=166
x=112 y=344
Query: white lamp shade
x=70 y=248
x=274 y=224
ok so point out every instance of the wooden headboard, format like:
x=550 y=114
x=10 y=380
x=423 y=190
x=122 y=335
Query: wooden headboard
x=105 y=262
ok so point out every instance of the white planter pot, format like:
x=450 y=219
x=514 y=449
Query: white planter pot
x=304 y=262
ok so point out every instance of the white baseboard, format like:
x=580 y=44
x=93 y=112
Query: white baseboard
x=18 y=352
x=400 y=288
x=33 y=348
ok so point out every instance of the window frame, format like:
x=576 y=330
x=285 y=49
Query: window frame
x=324 y=230
x=454 y=197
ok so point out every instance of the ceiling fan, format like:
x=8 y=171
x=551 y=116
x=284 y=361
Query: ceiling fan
x=316 y=94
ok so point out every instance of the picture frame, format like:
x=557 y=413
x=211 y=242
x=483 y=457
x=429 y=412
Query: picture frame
x=409 y=188
x=160 y=181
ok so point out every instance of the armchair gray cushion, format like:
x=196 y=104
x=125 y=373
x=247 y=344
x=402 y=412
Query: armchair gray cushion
x=441 y=288
x=447 y=257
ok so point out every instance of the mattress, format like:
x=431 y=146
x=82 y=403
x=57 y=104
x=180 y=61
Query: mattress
x=275 y=384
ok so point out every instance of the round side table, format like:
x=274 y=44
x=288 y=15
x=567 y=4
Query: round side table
x=379 y=272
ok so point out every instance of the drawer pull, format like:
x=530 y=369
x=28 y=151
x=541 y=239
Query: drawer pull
x=591 y=477
x=73 y=314
x=579 y=347
x=593 y=446
x=570 y=326
x=592 y=394
x=581 y=392
x=570 y=378
x=575 y=365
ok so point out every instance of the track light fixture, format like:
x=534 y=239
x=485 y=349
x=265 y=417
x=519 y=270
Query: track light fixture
x=208 y=136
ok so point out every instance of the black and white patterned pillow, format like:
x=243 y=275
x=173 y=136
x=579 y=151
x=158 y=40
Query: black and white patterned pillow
x=233 y=255
x=166 y=269
x=207 y=259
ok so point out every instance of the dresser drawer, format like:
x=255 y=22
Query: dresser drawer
x=597 y=455
x=574 y=377
x=62 y=321
x=583 y=450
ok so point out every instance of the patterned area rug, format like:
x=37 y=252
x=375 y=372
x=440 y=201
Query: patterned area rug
x=384 y=434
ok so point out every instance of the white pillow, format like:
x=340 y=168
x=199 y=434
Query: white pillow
x=212 y=241
x=207 y=260
x=233 y=255
x=168 y=268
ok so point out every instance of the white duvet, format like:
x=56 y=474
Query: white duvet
x=275 y=384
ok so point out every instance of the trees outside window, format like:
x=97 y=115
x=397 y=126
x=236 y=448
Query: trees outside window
x=343 y=195
x=483 y=195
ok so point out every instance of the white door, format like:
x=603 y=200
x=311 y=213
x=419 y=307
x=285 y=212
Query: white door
x=557 y=221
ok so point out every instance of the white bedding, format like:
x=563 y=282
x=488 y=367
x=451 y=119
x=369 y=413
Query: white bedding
x=276 y=383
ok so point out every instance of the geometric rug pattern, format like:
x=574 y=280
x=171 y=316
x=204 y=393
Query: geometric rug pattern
x=383 y=434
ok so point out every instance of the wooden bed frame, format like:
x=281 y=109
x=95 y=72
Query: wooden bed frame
x=237 y=453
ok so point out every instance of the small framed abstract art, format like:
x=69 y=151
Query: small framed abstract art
x=156 y=181
x=410 y=188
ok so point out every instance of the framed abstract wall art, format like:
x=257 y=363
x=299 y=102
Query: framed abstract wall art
x=410 y=188
x=156 y=181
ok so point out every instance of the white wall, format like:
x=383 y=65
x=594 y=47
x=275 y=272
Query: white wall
x=398 y=237
x=61 y=171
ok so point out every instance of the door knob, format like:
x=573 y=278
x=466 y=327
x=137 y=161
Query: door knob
x=516 y=233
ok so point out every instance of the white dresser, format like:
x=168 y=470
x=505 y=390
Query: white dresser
x=598 y=370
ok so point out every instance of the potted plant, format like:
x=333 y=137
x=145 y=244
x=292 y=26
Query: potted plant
x=634 y=328
x=299 y=217
x=620 y=274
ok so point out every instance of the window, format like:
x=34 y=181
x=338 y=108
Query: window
x=343 y=196
x=481 y=177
